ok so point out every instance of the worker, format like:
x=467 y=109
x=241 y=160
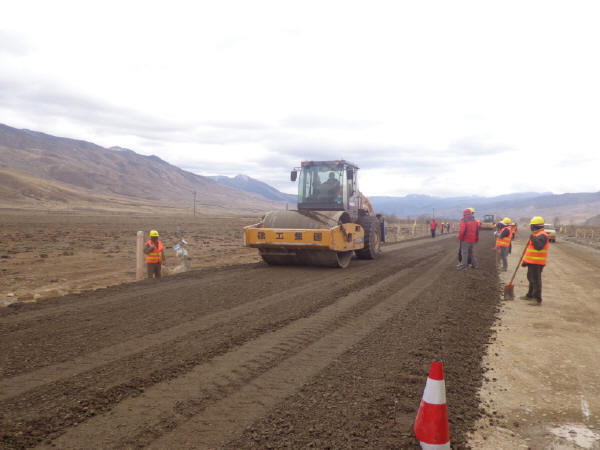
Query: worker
x=442 y=226
x=433 y=226
x=513 y=232
x=468 y=235
x=331 y=188
x=535 y=258
x=503 y=238
x=476 y=220
x=155 y=255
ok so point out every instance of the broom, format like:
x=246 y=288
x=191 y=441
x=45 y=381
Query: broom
x=509 y=289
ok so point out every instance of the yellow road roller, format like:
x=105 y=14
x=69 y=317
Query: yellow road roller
x=333 y=220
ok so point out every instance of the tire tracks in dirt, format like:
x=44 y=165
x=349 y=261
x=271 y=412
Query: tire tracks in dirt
x=44 y=411
x=252 y=378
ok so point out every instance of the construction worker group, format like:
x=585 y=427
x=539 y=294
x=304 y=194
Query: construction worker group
x=535 y=253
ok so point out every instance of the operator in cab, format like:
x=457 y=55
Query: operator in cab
x=330 y=188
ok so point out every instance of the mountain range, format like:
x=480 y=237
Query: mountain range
x=568 y=208
x=43 y=171
x=252 y=185
x=38 y=170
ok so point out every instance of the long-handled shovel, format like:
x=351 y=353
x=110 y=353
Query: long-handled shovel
x=509 y=289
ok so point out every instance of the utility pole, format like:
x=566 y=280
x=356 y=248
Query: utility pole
x=194 y=203
x=139 y=264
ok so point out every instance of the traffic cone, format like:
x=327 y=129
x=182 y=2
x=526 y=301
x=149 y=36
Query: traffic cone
x=431 y=425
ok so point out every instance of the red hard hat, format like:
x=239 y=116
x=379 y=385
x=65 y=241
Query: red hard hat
x=467 y=212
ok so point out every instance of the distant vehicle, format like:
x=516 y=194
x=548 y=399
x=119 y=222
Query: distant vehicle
x=488 y=222
x=551 y=231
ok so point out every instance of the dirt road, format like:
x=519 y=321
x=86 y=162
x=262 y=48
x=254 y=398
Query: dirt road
x=543 y=391
x=250 y=355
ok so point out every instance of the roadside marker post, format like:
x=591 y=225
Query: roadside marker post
x=139 y=267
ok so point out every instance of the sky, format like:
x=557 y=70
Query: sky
x=440 y=98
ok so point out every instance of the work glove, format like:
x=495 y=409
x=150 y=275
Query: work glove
x=523 y=264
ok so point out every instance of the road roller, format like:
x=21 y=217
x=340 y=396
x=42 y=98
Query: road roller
x=332 y=223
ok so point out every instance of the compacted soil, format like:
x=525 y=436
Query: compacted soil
x=543 y=389
x=252 y=356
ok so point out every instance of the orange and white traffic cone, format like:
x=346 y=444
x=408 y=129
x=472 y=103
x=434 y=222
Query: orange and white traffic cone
x=431 y=425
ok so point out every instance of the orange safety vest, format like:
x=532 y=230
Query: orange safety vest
x=155 y=256
x=533 y=256
x=505 y=241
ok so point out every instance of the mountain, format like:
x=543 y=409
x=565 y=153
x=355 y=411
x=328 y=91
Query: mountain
x=252 y=185
x=61 y=164
x=567 y=208
x=593 y=221
x=415 y=204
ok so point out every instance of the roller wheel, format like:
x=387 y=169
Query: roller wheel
x=372 y=239
x=310 y=258
x=343 y=259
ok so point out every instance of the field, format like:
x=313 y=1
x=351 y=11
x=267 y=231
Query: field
x=237 y=354
x=46 y=255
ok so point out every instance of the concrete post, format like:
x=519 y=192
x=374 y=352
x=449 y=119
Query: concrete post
x=139 y=267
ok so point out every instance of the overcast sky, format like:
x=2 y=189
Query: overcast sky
x=442 y=98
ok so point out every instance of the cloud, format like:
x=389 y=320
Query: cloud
x=14 y=44
x=47 y=99
x=470 y=147
x=312 y=121
x=407 y=102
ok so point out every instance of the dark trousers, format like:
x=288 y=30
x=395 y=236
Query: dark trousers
x=432 y=233
x=154 y=270
x=534 y=275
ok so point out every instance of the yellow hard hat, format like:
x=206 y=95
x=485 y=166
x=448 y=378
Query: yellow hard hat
x=472 y=210
x=153 y=233
x=506 y=221
x=537 y=220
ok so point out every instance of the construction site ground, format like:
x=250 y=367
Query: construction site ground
x=542 y=388
x=244 y=355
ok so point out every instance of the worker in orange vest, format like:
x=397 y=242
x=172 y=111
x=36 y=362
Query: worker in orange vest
x=155 y=255
x=513 y=232
x=535 y=257
x=503 y=238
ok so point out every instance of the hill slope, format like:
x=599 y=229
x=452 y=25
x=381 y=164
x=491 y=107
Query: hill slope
x=252 y=185
x=96 y=170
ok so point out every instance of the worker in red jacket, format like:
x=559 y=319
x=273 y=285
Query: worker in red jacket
x=433 y=226
x=468 y=235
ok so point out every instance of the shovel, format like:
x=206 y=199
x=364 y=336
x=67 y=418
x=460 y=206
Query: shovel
x=509 y=289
